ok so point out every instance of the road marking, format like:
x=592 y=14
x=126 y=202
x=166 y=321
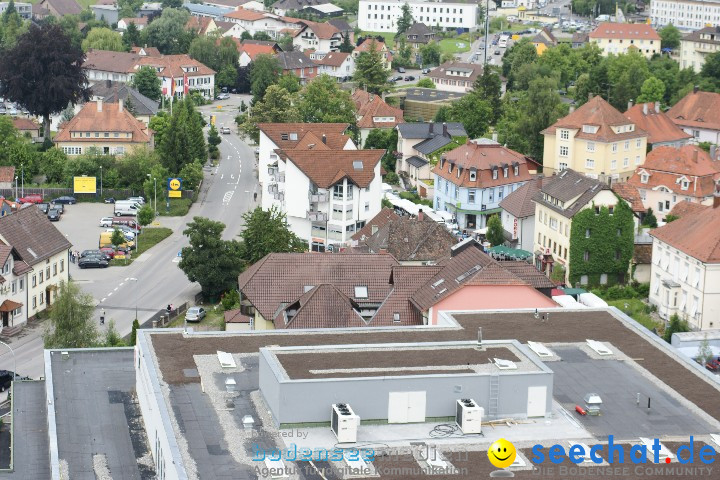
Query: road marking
x=110 y=294
x=121 y=284
x=247 y=191
x=221 y=176
x=228 y=196
x=103 y=299
x=176 y=260
x=127 y=279
x=115 y=289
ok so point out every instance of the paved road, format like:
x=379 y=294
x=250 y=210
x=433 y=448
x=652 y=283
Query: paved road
x=226 y=194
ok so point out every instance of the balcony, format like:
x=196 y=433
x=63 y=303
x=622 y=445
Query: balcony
x=315 y=216
x=318 y=198
x=273 y=188
x=280 y=196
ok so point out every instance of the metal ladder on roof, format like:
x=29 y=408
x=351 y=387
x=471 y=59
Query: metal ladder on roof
x=494 y=394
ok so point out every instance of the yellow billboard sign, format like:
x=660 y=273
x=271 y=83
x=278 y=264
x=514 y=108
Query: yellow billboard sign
x=85 y=185
x=174 y=194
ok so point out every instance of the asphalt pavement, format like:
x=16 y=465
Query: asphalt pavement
x=153 y=280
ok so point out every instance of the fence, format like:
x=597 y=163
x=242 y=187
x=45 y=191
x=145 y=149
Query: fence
x=162 y=318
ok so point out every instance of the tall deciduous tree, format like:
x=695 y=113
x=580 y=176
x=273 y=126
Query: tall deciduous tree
x=265 y=70
x=183 y=142
x=711 y=69
x=131 y=36
x=473 y=112
x=652 y=90
x=370 y=72
x=495 y=233
x=267 y=232
x=323 y=101
x=209 y=260
x=71 y=320
x=168 y=32
x=430 y=53
x=43 y=72
x=275 y=107
x=489 y=87
x=147 y=82
x=405 y=21
x=103 y=39
x=670 y=36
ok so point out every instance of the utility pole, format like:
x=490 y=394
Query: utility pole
x=487 y=27
x=22 y=167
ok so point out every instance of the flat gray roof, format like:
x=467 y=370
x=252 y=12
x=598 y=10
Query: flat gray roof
x=97 y=413
x=30 y=429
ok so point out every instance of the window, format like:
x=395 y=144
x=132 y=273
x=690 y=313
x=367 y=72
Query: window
x=590 y=146
x=603 y=279
x=34 y=281
x=34 y=302
x=22 y=284
x=697 y=278
x=564 y=134
x=637 y=160
x=553 y=223
x=13 y=287
x=338 y=192
x=627 y=145
x=41 y=298
x=41 y=277
x=584 y=280
x=471 y=196
x=614 y=147
x=47 y=272
x=62 y=266
x=611 y=210
x=564 y=151
x=590 y=163
x=367 y=206
x=563 y=166
x=501 y=192
x=617 y=255
x=613 y=164
x=586 y=256
x=638 y=143
x=473 y=175
x=495 y=173
x=587 y=233
x=491 y=195
x=644 y=178
x=505 y=172
x=361 y=291
x=516 y=170
x=685 y=184
x=626 y=162
x=396 y=317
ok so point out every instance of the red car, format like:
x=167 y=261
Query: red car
x=126 y=221
x=31 y=198
x=108 y=251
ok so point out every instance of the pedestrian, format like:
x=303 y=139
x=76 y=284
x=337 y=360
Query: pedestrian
x=72 y=257
x=102 y=317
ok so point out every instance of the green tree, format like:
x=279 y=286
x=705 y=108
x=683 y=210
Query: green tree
x=131 y=37
x=275 y=107
x=290 y=82
x=213 y=137
x=146 y=215
x=383 y=139
x=430 y=53
x=489 y=88
x=403 y=54
x=266 y=231
x=370 y=72
x=230 y=300
x=262 y=36
x=103 y=39
x=264 y=72
x=168 y=32
x=473 y=112
x=71 y=322
x=670 y=36
x=426 y=83
x=192 y=175
x=676 y=325
x=227 y=76
x=183 y=141
x=112 y=336
x=203 y=49
x=147 y=82
x=626 y=74
x=495 y=233
x=558 y=274
x=711 y=68
x=650 y=220
x=652 y=90
x=117 y=238
x=43 y=60
x=323 y=101
x=704 y=351
x=133 y=332
x=345 y=46
x=516 y=57
x=209 y=260
x=405 y=21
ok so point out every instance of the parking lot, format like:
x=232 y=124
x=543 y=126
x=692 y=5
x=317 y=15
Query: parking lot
x=81 y=224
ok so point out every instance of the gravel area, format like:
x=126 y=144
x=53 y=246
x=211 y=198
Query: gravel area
x=100 y=466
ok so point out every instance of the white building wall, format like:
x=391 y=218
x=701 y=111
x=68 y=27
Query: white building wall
x=38 y=292
x=685 y=14
x=15 y=288
x=520 y=229
x=382 y=15
x=702 y=134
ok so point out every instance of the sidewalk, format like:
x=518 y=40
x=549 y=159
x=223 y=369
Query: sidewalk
x=30 y=332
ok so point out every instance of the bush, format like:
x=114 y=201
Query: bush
x=392 y=178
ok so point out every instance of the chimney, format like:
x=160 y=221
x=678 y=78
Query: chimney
x=99 y=104
x=645 y=109
x=108 y=83
x=657 y=107
x=494 y=137
x=695 y=154
x=432 y=128
x=630 y=104
x=572 y=108
x=716 y=196
x=445 y=132
x=421 y=215
x=539 y=181
x=121 y=103
x=696 y=88
x=713 y=152
x=324 y=138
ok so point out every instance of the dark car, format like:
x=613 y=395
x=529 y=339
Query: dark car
x=409 y=78
x=58 y=206
x=44 y=207
x=497 y=52
x=110 y=200
x=94 y=253
x=53 y=215
x=93 y=262
x=401 y=70
x=6 y=378
x=67 y=200
x=425 y=71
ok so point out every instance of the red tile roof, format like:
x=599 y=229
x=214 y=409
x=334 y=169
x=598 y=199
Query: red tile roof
x=656 y=123
x=109 y=119
x=253 y=49
x=287 y=135
x=172 y=65
x=634 y=31
x=630 y=194
x=245 y=14
x=332 y=59
x=21 y=123
x=323 y=31
x=519 y=203
x=695 y=234
x=234 y=316
x=685 y=208
x=596 y=112
x=697 y=109
x=371 y=106
x=386 y=215
x=7 y=174
x=199 y=24
x=137 y=20
x=327 y=167
x=323 y=306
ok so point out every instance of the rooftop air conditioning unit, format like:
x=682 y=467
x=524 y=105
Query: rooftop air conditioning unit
x=468 y=416
x=344 y=423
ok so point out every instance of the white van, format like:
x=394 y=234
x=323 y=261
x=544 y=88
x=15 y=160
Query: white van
x=125 y=209
x=138 y=200
x=128 y=202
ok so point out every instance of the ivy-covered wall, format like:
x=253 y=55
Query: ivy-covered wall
x=611 y=236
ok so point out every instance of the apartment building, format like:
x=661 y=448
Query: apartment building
x=382 y=15
x=685 y=272
x=619 y=38
x=472 y=179
x=661 y=130
x=417 y=144
x=13 y=289
x=685 y=14
x=455 y=76
x=321 y=37
x=23 y=9
x=671 y=175
x=698 y=113
x=697 y=45
x=372 y=112
x=595 y=140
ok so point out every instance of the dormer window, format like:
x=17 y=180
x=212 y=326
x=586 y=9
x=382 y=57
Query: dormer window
x=473 y=175
x=459 y=172
x=685 y=184
x=361 y=291
x=450 y=168
x=495 y=173
x=564 y=134
x=505 y=172
x=516 y=170
x=590 y=129
x=644 y=178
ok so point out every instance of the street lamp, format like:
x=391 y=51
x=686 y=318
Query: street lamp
x=22 y=167
x=101 y=182
x=16 y=179
x=136 y=295
x=14 y=359
x=154 y=192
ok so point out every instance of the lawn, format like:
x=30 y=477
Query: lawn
x=214 y=319
x=636 y=309
x=149 y=237
x=179 y=207
x=454 y=45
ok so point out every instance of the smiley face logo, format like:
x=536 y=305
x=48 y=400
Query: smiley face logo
x=502 y=453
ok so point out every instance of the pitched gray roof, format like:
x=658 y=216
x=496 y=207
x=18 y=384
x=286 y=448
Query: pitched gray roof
x=422 y=130
x=519 y=203
x=142 y=105
x=419 y=30
x=340 y=24
x=416 y=161
x=432 y=144
x=34 y=237
x=566 y=186
x=293 y=60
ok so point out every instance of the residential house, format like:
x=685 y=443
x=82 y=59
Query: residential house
x=23 y=9
x=373 y=112
x=579 y=39
x=411 y=240
x=102 y=65
x=13 y=289
x=575 y=219
x=203 y=25
x=361 y=290
x=422 y=104
x=472 y=179
x=671 y=175
x=138 y=104
x=518 y=215
x=661 y=130
x=685 y=208
x=418 y=35
x=455 y=76
x=283 y=7
x=28 y=127
x=417 y=142
x=56 y=8
x=642 y=250
x=109 y=13
x=685 y=276
x=544 y=40
x=140 y=23
x=618 y=38
x=235 y=321
x=253 y=21
x=179 y=74
x=697 y=45
x=249 y=51
x=150 y=9
x=7 y=207
x=382 y=15
x=106 y=127
x=7 y=177
x=698 y=113
x=596 y=140
x=146 y=51
x=321 y=37
x=298 y=64
x=336 y=64
x=372 y=43
x=42 y=249
x=385 y=215
x=235 y=4
x=344 y=27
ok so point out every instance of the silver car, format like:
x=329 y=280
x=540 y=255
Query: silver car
x=195 y=314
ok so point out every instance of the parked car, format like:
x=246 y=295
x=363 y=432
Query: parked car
x=409 y=78
x=59 y=207
x=53 y=215
x=94 y=253
x=130 y=222
x=401 y=70
x=127 y=235
x=31 y=198
x=43 y=207
x=225 y=130
x=497 y=52
x=6 y=378
x=425 y=71
x=127 y=229
x=223 y=96
x=67 y=200
x=12 y=111
x=108 y=251
x=397 y=78
x=138 y=200
x=109 y=200
x=195 y=314
x=106 y=221
x=3 y=110
x=93 y=262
